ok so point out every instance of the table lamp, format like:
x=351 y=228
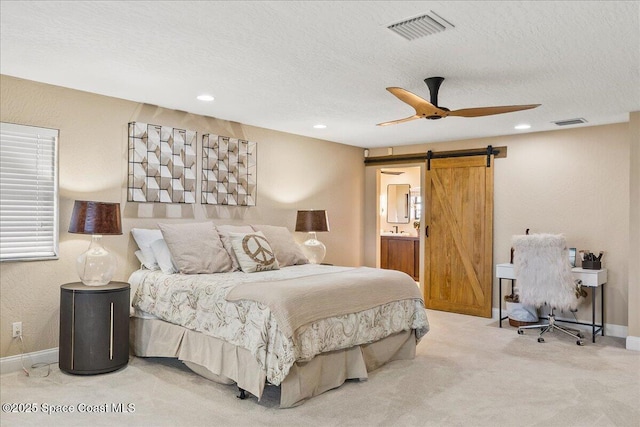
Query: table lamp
x=96 y=266
x=313 y=221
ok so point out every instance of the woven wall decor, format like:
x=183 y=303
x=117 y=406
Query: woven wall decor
x=228 y=171
x=162 y=164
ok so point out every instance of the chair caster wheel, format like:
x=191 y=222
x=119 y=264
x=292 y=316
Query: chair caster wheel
x=540 y=339
x=580 y=342
x=520 y=332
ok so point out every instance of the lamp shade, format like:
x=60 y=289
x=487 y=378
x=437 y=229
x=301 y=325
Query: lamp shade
x=95 y=218
x=311 y=220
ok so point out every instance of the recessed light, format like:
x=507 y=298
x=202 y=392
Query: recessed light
x=319 y=126
x=522 y=126
x=207 y=98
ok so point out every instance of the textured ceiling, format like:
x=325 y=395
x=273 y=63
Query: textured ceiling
x=290 y=65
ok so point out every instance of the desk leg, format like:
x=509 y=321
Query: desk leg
x=500 y=302
x=593 y=314
x=593 y=311
x=602 y=309
x=500 y=318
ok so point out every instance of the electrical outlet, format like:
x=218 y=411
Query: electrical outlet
x=17 y=329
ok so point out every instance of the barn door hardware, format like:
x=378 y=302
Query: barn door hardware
x=489 y=151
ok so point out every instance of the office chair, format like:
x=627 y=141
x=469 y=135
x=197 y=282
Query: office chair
x=543 y=275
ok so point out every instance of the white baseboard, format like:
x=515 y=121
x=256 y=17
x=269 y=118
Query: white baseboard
x=633 y=343
x=611 y=330
x=14 y=363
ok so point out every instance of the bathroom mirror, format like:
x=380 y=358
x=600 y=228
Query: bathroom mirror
x=398 y=203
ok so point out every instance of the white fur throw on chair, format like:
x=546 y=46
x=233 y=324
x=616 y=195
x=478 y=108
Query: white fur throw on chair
x=543 y=272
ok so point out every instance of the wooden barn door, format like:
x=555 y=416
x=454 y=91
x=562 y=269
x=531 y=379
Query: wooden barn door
x=459 y=243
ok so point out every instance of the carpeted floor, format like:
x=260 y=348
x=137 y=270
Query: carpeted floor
x=468 y=372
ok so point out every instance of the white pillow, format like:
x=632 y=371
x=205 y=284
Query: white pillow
x=254 y=252
x=196 y=248
x=223 y=231
x=163 y=256
x=288 y=252
x=144 y=238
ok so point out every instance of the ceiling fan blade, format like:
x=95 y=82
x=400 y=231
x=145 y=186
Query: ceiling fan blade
x=423 y=107
x=395 y=122
x=488 y=111
x=410 y=98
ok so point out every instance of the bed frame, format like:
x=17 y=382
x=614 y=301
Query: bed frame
x=226 y=363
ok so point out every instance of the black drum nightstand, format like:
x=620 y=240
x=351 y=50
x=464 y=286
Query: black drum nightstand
x=94 y=328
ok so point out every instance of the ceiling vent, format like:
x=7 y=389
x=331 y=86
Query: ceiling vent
x=421 y=26
x=570 y=122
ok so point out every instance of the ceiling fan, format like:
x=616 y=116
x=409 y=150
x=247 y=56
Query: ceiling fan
x=431 y=110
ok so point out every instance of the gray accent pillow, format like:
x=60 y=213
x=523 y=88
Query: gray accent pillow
x=288 y=252
x=196 y=248
x=254 y=252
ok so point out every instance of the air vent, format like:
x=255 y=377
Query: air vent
x=421 y=26
x=570 y=122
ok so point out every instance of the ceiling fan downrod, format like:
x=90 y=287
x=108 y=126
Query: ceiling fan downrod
x=433 y=83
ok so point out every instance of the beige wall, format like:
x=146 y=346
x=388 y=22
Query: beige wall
x=294 y=172
x=573 y=181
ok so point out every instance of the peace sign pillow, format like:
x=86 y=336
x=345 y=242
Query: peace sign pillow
x=254 y=252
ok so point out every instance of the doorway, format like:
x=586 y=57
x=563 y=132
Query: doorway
x=399 y=211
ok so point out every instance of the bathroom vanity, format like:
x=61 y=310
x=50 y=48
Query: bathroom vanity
x=401 y=252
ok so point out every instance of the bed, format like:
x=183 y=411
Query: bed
x=305 y=328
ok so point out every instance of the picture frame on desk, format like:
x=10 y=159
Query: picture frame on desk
x=572 y=256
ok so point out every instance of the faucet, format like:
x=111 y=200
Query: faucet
x=396 y=229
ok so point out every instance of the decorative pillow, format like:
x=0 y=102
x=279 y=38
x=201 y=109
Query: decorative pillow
x=196 y=248
x=288 y=252
x=163 y=257
x=223 y=231
x=145 y=262
x=144 y=238
x=253 y=251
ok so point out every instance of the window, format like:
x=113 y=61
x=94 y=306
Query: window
x=28 y=193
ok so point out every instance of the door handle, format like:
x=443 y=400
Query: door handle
x=426 y=231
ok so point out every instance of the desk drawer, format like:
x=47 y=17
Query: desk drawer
x=591 y=278
x=505 y=271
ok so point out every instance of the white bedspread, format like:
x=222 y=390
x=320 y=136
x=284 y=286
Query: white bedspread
x=198 y=302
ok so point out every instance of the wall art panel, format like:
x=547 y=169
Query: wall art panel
x=228 y=171
x=162 y=164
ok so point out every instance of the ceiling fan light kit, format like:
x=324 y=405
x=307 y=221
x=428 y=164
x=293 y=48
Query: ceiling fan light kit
x=432 y=111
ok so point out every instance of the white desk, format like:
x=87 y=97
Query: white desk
x=590 y=278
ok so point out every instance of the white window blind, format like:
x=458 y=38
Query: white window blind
x=28 y=193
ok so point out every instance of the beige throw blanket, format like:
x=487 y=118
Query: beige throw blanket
x=300 y=301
